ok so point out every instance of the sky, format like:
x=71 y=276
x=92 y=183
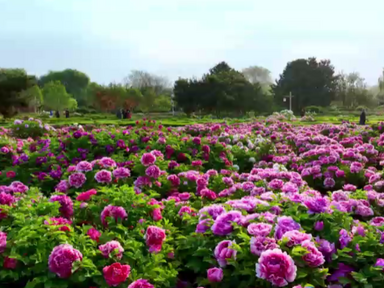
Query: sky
x=107 y=39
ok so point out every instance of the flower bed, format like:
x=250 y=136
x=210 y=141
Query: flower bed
x=241 y=205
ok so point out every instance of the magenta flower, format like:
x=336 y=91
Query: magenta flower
x=148 y=159
x=66 y=205
x=116 y=274
x=314 y=257
x=115 y=212
x=260 y=244
x=141 y=283
x=77 y=179
x=107 y=162
x=85 y=196
x=84 y=166
x=259 y=229
x=154 y=238
x=296 y=237
x=3 y=241
x=223 y=252
x=18 y=187
x=94 y=234
x=223 y=223
x=215 y=274
x=103 y=176
x=344 y=238
x=121 y=173
x=319 y=226
x=285 y=224
x=153 y=171
x=63 y=186
x=112 y=248
x=277 y=267
x=317 y=205
x=10 y=263
x=174 y=179
x=61 y=259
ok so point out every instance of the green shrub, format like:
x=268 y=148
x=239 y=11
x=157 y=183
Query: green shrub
x=30 y=128
x=316 y=109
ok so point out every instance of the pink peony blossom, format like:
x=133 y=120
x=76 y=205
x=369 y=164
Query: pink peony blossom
x=18 y=187
x=112 y=248
x=260 y=244
x=277 y=267
x=154 y=238
x=77 y=179
x=296 y=237
x=259 y=229
x=85 y=196
x=61 y=259
x=94 y=234
x=141 y=283
x=153 y=172
x=84 y=166
x=121 y=173
x=107 y=162
x=103 y=176
x=115 y=212
x=314 y=257
x=9 y=263
x=3 y=241
x=215 y=274
x=148 y=159
x=223 y=252
x=116 y=274
x=63 y=186
x=66 y=205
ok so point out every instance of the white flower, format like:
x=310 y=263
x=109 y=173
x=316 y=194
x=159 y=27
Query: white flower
x=236 y=167
x=252 y=160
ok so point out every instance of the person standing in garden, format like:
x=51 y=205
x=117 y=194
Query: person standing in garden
x=362 y=117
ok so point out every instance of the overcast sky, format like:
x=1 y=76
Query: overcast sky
x=108 y=38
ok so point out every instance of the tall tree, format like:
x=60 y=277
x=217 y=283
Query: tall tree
x=12 y=82
x=144 y=80
x=34 y=97
x=188 y=94
x=55 y=96
x=352 y=90
x=311 y=82
x=75 y=83
x=257 y=74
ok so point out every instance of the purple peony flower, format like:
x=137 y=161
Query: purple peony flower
x=314 y=257
x=3 y=241
x=277 y=267
x=77 y=179
x=260 y=244
x=66 y=205
x=115 y=212
x=121 y=173
x=285 y=224
x=148 y=159
x=223 y=252
x=296 y=237
x=319 y=226
x=107 y=162
x=223 y=223
x=62 y=258
x=153 y=172
x=84 y=166
x=317 y=205
x=110 y=247
x=103 y=176
x=141 y=283
x=329 y=182
x=18 y=187
x=343 y=270
x=344 y=238
x=215 y=274
x=259 y=229
x=63 y=186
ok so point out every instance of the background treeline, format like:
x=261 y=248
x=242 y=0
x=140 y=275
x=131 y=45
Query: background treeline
x=223 y=91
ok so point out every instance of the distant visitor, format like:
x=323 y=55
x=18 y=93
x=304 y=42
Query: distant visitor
x=362 y=117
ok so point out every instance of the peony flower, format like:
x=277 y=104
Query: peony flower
x=215 y=274
x=141 y=283
x=343 y=270
x=319 y=226
x=116 y=274
x=296 y=237
x=84 y=166
x=223 y=252
x=62 y=222
x=18 y=187
x=285 y=224
x=121 y=173
x=62 y=187
x=153 y=171
x=223 y=223
x=112 y=247
x=344 y=238
x=9 y=263
x=77 y=179
x=154 y=238
x=156 y=214
x=85 y=196
x=61 y=259
x=66 y=205
x=277 y=267
x=314 y=257
x=103 y=176
x=3 y=241
x=317 y=205
x=259 y=229
x=116 y=212
x=107 y=162
x=148 y=159
x=260 y=244
x=94 y=234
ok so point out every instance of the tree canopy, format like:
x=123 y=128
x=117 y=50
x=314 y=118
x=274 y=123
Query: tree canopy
x=55 y=96
x=12 y=82
x=75 y=83
x=311 y=82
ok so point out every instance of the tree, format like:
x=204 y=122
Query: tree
x=149 y=98
x=163 y=103
x=258 y=74
x=380 y=94
x=144 y=80
x=55 y=96
x=187 y=94
x=72 y=104
x=12 y=82
x=34 y=97
x=75 y=83
x=310 y=81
